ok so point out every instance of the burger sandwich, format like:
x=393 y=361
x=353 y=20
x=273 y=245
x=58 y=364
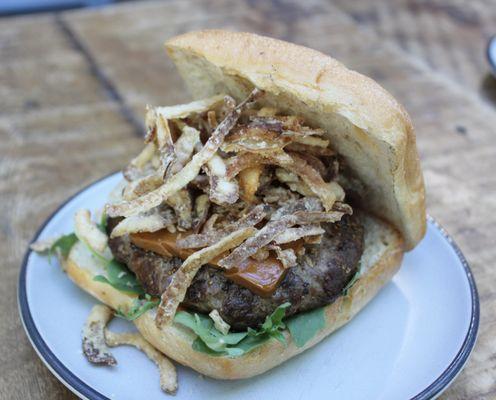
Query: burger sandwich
x=258 y=218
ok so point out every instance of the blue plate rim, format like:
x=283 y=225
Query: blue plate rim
x=82 y=389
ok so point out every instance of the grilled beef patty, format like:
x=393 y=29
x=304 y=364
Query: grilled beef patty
x=320 y=276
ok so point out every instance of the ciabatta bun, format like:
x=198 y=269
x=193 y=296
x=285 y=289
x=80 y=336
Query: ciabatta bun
x=381 y=259
x=365 y=124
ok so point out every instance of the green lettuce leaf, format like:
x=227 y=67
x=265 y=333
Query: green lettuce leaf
x=119 y=277
x=204 y=328
x=353 y=280
x=62 y=246
x=102 y=225
x=209 y=340
x=253 y=341
x=139 y=307
x=117 y=274
x=305 y=326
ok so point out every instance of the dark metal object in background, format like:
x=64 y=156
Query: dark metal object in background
x=14 y=7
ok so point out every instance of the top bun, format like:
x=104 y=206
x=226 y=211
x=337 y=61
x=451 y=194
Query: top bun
x=365 y=124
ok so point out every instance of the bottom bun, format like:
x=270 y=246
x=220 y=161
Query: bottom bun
x=380 y=260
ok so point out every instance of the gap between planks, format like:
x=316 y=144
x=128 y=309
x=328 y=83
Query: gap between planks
x=108 y=86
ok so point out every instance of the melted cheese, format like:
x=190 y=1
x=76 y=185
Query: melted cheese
x=261 y=277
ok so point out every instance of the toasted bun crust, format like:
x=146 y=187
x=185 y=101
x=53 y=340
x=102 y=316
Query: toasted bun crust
x=365 y=123
x=381 y=259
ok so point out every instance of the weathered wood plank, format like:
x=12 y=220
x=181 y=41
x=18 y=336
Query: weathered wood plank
x=49 y=151
x=41 y=70
x=139 y=32
x=44 y=158
x=449 y=36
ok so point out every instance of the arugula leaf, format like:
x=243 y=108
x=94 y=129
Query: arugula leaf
x=274 y=321
x=304 y=327
x=139 y=307
x=252 y=342
x=279 y=336
x=102 y=225
x=204 y=328
x=209 y=340
x=119 y=277
x=102 y=259
x=62 y=246
x=199 y=345
x=352 y=281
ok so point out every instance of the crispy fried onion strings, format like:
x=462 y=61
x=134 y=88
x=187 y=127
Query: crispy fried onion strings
x=150 y=124
x=96 y=340
x=181 y=280
x=182 y=205
x=293 y=234
x=168 y=374
x=146 y=222
x=43 y=245
x=309 y=149
x=195 y=107
x=274 y=228
x=287 y=257
x=222 y=190
x=277 y=195
x=94 y=347
x=174 y=161
x=202 y=206
x=327 y=192
x=315 y=142
x=141 y=186
x=210 y=223
x=165 y=146
x=305 y=204
x=266 y=122
x=188 y=173
x=249 y=181
x=87 y=231
x=135 y=167
x=184 y=147
x=256 y=215
x=221 y=325
x=293 y=182
x=254 y=140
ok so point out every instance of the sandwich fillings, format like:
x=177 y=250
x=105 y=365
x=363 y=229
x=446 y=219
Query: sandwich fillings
x=231 y=219
x=210 y=169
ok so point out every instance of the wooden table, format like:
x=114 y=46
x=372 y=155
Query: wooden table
x=73 y=87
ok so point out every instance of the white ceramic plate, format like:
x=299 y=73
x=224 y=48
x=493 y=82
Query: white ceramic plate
x=410 y=342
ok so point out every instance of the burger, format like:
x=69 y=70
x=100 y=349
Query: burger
x=258 y=218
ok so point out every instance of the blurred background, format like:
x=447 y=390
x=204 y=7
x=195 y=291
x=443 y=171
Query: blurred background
x=75 y=77
x=449 y=36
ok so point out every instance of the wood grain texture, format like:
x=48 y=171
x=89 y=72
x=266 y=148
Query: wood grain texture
x=69 y=102
x=448 y=35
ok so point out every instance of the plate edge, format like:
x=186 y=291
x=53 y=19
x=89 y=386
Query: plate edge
x=442 y=382
x=84 y=390
x=54 y=365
